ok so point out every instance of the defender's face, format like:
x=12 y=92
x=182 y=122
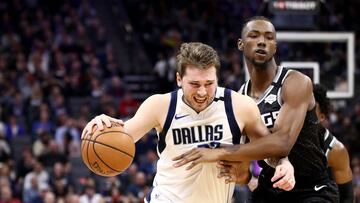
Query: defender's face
x=258 y=42
x=199 y=86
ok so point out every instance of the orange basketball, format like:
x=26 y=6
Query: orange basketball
x=108 y=152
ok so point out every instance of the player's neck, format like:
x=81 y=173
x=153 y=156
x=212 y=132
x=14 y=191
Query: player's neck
x=262 y=77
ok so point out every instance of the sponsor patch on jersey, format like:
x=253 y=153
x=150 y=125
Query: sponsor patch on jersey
x=270 y=99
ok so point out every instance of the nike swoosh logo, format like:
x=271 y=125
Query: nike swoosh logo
x=178 y=117
x=316 y=188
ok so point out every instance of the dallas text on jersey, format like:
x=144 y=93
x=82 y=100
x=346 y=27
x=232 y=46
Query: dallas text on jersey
x=197 y=134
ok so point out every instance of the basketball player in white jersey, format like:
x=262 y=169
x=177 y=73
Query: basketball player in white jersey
x=199 y=114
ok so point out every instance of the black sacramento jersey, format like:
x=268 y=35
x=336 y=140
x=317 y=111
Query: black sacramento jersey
x=306 y=155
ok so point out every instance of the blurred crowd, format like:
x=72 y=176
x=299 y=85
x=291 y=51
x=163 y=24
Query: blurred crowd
x=58 y=70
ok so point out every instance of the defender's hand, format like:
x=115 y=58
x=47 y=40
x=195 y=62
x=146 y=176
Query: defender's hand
x=196 y=156
x=284 y=175
x=99 y=121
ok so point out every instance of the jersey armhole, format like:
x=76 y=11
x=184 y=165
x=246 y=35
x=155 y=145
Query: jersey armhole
x=234 y=127
x=168 y=120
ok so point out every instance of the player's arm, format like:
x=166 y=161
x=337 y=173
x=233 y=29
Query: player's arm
x=248 y=114
x=338 y=161
x=297 y=97
x=150 y=114
x=248 y=118
x=284 y=171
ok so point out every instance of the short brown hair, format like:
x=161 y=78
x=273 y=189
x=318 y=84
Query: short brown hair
x=197 y=54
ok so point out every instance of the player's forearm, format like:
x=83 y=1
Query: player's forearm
x=266 y=147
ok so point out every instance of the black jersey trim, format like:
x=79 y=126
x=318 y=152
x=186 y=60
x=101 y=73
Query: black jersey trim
x=169 y=118
x=234 y=127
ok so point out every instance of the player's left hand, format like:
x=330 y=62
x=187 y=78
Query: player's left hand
x=238 y=172
x=196 y=156
x=284 y=176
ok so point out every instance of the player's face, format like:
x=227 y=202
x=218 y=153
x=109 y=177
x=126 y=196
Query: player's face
x=258 y=42
x=199 y=86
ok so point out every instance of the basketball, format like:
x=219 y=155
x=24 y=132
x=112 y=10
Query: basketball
x=108 y=152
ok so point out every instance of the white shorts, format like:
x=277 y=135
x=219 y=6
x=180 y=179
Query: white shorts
x=155 y=196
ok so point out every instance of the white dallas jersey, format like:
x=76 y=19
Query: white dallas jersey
x=184 y=129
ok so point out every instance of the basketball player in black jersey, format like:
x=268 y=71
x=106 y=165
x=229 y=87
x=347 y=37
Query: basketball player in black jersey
x=335 y=151
x=287 y=107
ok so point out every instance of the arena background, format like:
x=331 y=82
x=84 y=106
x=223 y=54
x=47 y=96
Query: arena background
x=63 y=62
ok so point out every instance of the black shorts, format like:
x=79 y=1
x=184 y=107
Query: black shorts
x=325 y=192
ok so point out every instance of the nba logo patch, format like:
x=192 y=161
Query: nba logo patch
x=270 y=99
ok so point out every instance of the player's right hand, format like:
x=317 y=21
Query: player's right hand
x=284 y=177
x=99 y=121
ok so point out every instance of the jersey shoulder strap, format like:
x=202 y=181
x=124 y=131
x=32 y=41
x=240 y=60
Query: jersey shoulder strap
x=280 y=78
x=169 y=118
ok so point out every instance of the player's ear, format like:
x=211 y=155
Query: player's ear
x=178 y=79
x=322 y=117
x=240 y=44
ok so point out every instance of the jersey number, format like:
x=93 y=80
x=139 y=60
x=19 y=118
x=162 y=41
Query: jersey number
x=211 y=145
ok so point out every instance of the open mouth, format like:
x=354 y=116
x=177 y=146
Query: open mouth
x=260 y=52
x=199 y=100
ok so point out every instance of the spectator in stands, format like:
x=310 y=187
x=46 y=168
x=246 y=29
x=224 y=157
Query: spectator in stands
x=52 y=155
x=5 y=149
x=115 y=87
x=17 y=106
x=72 y=198
x=6 y=174
x=138 y=185
x=57 y=101
x=162 y=71
x=6 y=195
x=60 y=181
x=127 y=177
x=25 y=164
x=67 y=136
x=43 y=124
x=40 y=175
x=41 y=144
x=90 y=194
x=97 y=90
x=49 y=197
x=128 y=105
x=148 y=164
x=14 y=129
x=35 y=101
x=31 y=193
